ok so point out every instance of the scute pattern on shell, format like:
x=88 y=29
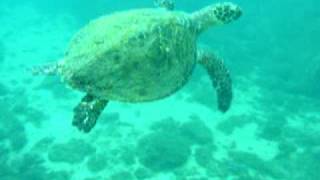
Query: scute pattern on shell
x=137 y=55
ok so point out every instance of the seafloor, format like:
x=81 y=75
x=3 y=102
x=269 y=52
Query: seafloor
x=271 y=132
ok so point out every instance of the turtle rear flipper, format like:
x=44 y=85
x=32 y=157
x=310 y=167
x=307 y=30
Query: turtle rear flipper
x=219 y=76
x=87 y=112
x=46 y=69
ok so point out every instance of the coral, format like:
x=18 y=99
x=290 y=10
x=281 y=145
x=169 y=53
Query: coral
x=72 y=152
x=11 y=128
x=310 y=160
x=127 y=155
x=198 y=178
x=122 y=175
x=196 y=131
x=4 y=90
x=203 y=156
x=163 y=151
x=305 y=137
x=4 y=157
x=316 y=77
x=59 y=175
x=168 y=146
x=228 y=167
x=30 y=166
x=286 y=149
x=43 y=144
x=167 y=124
x=229 y=125
x=142 y=173
x=226 y=126
x=252 y=161
x=273 y=129
x=300 y=165
x=19 y=105
x=4 y=153
x=18 y=139
x=97 y=162
x=94 y=178
x=34 y=116
x=15 y=132
x=188 y=173
x=2 y=135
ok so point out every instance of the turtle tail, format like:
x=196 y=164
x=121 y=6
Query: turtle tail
x=46 y=69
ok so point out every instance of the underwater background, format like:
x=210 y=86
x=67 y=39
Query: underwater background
x=272 y=130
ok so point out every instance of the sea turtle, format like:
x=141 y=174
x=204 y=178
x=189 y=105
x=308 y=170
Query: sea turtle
x=141 y=55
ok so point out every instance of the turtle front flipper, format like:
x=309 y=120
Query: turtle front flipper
x=216 y=14
x=219 y=76
x=87 y=112
x=167 y=4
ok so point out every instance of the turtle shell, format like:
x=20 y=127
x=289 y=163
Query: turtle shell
x=132 y=56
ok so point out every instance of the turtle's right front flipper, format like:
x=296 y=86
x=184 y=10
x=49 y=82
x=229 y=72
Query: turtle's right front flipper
x=87 y=112
x=217 y=14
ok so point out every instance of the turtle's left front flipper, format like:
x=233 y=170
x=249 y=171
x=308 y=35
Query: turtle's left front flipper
x=219 y=76
x=87 y=112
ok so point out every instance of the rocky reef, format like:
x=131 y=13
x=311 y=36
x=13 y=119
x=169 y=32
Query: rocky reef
x=163 y=151
x=169 y=145
x=72 y=152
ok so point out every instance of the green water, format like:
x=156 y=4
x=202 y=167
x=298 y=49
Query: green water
x=271 y=131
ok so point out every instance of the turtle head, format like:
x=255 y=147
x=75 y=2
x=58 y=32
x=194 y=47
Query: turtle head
x=216 y=14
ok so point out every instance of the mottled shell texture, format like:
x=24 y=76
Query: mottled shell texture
x=132 y=56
